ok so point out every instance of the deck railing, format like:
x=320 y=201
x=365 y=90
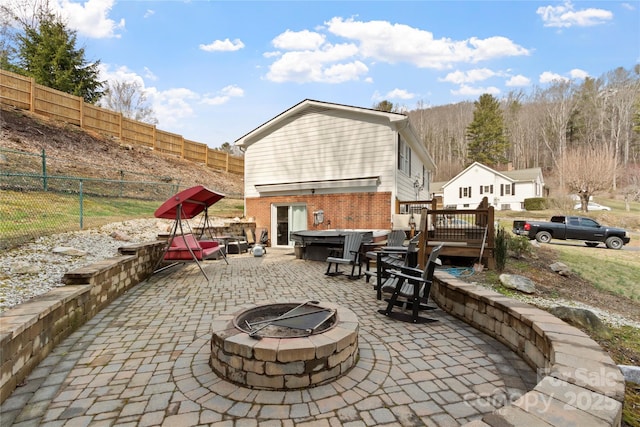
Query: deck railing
x=464 y=233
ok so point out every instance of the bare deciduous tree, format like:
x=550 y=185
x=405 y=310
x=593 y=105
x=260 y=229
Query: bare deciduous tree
x=128 y=98
x=587 y=171
x=631 y=185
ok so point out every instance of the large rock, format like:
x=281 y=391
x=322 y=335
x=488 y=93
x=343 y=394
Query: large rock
x=119 y=235
x=560 y=268
x=519 y=283
x=581 y=318
x=23 y=267
x=66 y=250
x=631 y=373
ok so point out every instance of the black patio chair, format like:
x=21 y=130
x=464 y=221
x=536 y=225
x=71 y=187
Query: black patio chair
x=412 y=285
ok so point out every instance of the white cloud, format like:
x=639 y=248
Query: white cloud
x=399 y=94
x=518 y=81
x=224 y=96
x=466 y=90
x=149 y=13
x=90 y=18
x=392 y=43
x=225 y=45
x=332 y=64
x=548 y=77
x=172 y=106
x=575 y=74
x=565 y=16
x=123 y=74
x=628 y=6
x=578 y=74
x=298 y=40
x=149 y=75
x=310 y=57
x=471 y=76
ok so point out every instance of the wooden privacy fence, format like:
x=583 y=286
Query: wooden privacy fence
x=22 y=92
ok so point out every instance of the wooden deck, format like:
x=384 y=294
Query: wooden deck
x=461 y=231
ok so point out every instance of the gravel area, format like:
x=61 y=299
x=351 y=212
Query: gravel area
x=611 y=319
x=34 y=269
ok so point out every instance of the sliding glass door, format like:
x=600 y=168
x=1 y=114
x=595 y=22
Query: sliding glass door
x=285 y=219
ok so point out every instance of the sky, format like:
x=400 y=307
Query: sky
x=213 y=71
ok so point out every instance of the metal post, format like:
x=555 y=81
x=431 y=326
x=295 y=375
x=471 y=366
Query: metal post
x=121 y=182
x=44 y=170
x=81 y=209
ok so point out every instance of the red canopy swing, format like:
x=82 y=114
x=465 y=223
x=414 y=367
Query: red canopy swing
x=186 y=204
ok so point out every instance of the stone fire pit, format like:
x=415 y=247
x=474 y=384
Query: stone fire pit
x=286 y=362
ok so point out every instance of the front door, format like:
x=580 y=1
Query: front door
x=286 y=219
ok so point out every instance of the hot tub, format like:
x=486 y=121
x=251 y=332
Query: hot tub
x=317 y=244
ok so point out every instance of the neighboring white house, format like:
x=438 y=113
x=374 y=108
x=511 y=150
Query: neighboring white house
x=505 y=190
x=344 y=165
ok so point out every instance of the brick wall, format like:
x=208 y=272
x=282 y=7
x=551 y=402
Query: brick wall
x=371 y=211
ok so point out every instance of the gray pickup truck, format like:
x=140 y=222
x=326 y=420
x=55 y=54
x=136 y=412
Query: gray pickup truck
x=572 y=228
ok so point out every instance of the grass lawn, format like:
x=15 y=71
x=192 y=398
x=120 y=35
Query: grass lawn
x=28 y=215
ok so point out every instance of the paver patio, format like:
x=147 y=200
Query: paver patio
x=143 y=361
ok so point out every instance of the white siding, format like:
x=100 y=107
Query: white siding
x=317 y=147
x=478 y=176
x=406 y=189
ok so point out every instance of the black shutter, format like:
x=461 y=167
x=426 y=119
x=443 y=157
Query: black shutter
x=469 y=191
x=501 y=189
x=460 y=191
x=513 y=189
x=481 y=189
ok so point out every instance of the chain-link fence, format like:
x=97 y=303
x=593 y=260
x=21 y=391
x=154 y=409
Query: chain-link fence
x=36 y=201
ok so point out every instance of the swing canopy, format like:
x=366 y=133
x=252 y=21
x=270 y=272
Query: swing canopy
x=188 y=203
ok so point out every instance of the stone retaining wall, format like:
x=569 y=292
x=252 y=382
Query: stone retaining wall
x=29 y=331
x=579 y=384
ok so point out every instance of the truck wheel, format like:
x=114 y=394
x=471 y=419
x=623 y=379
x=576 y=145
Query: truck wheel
x=614 y=242
x=543 y=236
x=592 y=244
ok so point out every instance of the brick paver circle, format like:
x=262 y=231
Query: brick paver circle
x=144 y=359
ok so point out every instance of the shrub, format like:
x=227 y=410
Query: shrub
x=536 y=204
x=519 y=246
x=502 y=245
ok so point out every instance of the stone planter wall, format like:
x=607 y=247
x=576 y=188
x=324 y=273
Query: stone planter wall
x=29 y=331
x=578 y=384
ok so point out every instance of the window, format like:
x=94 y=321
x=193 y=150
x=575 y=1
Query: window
x=404 y=156
x=507 y=189
x=464 y=192
x=589 y=223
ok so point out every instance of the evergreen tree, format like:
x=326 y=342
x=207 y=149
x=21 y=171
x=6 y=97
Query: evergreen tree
x=47 y=52
x=487 y=141
x=386 y=106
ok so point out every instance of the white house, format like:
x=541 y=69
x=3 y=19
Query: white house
x=505 y=190
x=320 y=165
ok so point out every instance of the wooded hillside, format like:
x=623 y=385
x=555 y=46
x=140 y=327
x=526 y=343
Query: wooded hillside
x=548 y=125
